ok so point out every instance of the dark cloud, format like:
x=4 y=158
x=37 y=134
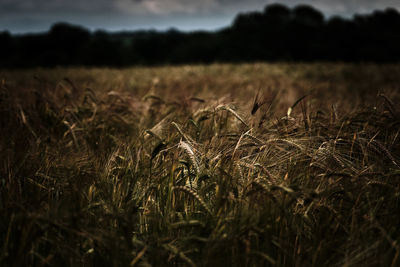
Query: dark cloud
x=346 y=7
x=48 y=6
x=145 y=7
x=25 y=15
x=330 y=7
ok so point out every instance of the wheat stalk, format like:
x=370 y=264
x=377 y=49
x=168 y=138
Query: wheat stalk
x=192 y=193
x=229 y=109
x=190 y=152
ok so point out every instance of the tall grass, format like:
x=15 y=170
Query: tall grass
x=200 y=166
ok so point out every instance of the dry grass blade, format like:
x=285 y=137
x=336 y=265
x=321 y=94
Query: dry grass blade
x=180 y=254
x=159 y=128
x=154 y=97
x=138 y=256
x=227 y=108
x=392 y=108
x=25 y=121
x=290 y=109
x=257 y=103
x=197 y=99
x=185 y=137
x=265 y=257
x=379 y=147
x=187 y=224
x=72 y=131
x=238 y=143
x=192 y=193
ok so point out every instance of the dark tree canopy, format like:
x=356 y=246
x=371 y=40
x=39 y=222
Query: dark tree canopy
x=308 y=15
x=275 y=34
x=278 y=11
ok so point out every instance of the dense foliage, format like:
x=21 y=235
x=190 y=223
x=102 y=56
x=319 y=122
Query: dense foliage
x=277 y=33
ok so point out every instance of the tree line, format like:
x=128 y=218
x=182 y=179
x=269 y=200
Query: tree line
x=277 y=33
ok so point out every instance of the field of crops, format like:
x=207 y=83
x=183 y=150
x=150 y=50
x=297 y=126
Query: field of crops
x=218 y=165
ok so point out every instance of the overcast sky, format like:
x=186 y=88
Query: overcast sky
x=37 y=15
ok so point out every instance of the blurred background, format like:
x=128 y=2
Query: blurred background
x=149 y=32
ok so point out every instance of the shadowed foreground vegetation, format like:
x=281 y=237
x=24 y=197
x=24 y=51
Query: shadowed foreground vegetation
x=225 y=165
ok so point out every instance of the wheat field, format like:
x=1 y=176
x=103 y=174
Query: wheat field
x=205 y=165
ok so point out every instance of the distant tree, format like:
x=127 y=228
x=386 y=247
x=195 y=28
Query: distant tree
x=307 y=15
x=6 y=48
x=101 y=50
x=339 y=39
x=66 y=32
x=67 y=42
x=150 y=47
x=248 y=22
x=275 y=36
x=277 y=13
x=392 y=17
x=305 y=33
x=5 y=38
x=378 y=35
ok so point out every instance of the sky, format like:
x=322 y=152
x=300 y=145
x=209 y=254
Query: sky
x=21 y=16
